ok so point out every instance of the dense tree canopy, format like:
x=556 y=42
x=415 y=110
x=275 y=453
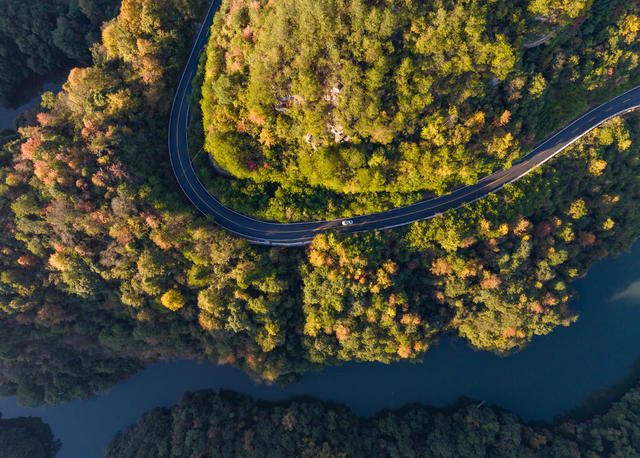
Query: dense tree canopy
x=39 y=37
x=333 y=107
x=106 y=268
x=27 y=437
x=495 y=272
x=226 y=424
x=349 y=95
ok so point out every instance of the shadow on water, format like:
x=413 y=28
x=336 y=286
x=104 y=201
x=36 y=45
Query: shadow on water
x=549 y=378
x=555 y=375
x=30 y=98
x=598 y=401
x=32 y=88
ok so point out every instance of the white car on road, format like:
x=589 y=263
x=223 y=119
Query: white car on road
x=347 y=222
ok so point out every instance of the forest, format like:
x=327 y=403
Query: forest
x=324 y=109
x=40 y=37
x=27 y=437
x=227 y=424
x=106 y=268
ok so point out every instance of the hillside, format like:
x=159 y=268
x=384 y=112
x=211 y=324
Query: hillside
x=329 y=108
x=106 y=268
x=229 y=424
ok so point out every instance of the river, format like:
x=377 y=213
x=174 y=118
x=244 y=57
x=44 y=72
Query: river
x=8 y=115
x=547 y=378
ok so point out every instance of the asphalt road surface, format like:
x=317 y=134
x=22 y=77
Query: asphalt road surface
x=266 y=233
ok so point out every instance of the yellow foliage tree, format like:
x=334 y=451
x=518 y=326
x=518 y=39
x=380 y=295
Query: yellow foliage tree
x=173 y=300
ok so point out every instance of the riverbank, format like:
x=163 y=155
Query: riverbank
x=9 y=115
x=548 y=378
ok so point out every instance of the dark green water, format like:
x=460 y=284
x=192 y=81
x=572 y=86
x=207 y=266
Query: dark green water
x=548 y=378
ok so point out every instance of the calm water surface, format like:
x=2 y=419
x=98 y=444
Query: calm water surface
x=8 y=115
x=549 y=377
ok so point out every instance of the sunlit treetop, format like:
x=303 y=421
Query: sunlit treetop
x=361 y=95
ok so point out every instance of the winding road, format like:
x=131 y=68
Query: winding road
x=265 y=233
